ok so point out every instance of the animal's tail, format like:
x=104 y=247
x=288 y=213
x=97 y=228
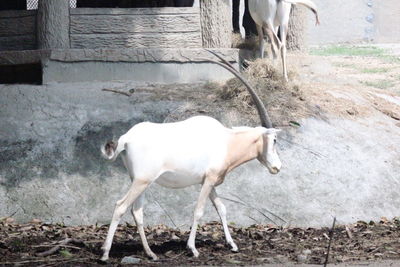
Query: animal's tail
x=111 y=150
x=307 y=3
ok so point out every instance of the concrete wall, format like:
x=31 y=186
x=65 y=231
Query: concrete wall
x=151 y=65
x=356 y=21
x=51 y=169
x=387 y=21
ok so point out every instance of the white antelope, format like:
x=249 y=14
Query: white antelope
x=271 y=15
x=199 y=150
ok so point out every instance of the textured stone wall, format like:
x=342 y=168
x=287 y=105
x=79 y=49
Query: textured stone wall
x=18 y=30
x=135 y=28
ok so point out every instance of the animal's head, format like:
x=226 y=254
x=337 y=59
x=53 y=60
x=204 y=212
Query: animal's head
x=268 y=155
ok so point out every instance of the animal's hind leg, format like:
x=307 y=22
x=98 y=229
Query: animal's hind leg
x=137 y=188
x=220 y=207
x=137 y=212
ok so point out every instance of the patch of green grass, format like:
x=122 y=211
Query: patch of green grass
x=390 y=59
x=65 y=253
x=346 y=50
x=381 y=84
x=375 y=70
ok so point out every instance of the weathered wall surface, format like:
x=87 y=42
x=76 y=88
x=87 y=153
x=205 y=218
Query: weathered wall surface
x=51 y=169
x=342 y=21
x=355 y=21
x=18 y=30
x=137 y=28
x=387 y=21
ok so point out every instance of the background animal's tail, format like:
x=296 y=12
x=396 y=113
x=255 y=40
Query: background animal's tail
x=111 y=150
x=307 y=3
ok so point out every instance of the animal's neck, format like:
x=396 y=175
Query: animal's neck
x=243 y=147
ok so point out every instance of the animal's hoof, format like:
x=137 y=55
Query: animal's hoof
x=153 y=257
x=234 y=248
x=195 y=252
x=104 y=258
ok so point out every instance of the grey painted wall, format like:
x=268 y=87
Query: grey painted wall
x=50 y=167
x=356 y=21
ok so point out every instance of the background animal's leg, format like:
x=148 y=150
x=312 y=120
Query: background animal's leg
x=283 y=32
x=198 y=213
x=276 y=28
x=137 y=188
x=275 y=42
x=261 y=40
x=137 y=212
x=220 y=207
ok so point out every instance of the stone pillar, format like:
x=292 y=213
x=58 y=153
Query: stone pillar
x=296 y=38
x=53 y=24
x=216 y=23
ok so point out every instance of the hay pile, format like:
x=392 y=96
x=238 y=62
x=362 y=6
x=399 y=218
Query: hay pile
x=285 y=102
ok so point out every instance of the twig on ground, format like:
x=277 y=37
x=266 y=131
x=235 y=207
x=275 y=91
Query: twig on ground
x=330 y=241
x=247 y=205
x=118 y=91
x=273 y=214
x=348 y=231
x=165 y=211
x=44 y=260
x=58 y=246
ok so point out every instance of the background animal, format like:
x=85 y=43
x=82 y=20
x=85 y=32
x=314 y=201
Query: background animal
x=271 y=15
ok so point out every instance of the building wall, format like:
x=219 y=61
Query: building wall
x=17 y=30
x=387 y=18
x=135 y=28
x=355 y=21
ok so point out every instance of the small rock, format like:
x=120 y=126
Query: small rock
x=301 y=258
x=281 y=259
x=8 y=220
x=130 y=260
x=159 y=232
x=36 y=221
x=306 y=252
x=175 y=237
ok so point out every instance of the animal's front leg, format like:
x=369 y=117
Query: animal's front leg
x=220 y=207
x=198 y=213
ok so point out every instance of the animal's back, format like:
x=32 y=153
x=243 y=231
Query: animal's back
x=190 y=146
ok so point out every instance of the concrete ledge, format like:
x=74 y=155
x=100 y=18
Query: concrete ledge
x=145 y=65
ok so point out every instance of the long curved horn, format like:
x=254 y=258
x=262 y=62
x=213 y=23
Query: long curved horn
x=262 y=111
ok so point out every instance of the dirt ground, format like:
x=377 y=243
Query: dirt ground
x=41 y=244
x=347 y=84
